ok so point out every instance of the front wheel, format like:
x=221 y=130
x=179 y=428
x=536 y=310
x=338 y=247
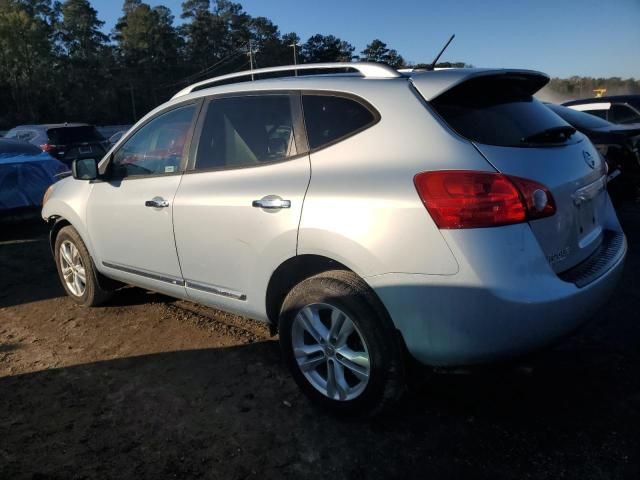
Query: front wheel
x=76 y=269
x=340 y=344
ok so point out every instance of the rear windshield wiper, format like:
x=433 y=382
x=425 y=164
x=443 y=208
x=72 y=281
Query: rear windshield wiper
x=553 y=134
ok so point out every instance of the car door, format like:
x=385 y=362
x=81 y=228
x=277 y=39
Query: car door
x=237 y=210
x=129 y=214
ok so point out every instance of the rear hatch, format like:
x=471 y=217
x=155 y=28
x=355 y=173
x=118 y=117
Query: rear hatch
x=521 y=137
x=74 y=142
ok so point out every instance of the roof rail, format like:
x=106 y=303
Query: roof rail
x=366 y=69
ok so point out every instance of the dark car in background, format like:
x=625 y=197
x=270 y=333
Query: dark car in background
x=622 y=109
x=66 y=142
x=618 y=144
x=25 y=174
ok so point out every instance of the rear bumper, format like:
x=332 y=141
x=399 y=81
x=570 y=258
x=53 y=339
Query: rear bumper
x=502 y=303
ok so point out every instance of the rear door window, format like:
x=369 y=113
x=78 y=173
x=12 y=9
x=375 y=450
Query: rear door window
x=246 y=131
x=623 y=114
x=331 y=118
x=495 y=111
x=602 y=113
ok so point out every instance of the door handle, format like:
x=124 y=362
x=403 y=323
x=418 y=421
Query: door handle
x=157 y=202
x=271 y=202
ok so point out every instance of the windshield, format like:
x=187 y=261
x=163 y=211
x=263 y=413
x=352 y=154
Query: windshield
x=579 y=119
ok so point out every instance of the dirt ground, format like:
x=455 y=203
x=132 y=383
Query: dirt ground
x=152 y=388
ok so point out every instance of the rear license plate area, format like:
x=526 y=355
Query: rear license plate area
x=587 y=218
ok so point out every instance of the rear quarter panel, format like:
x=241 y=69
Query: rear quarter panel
x=362 y=208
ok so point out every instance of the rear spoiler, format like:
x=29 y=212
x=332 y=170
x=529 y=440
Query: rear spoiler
x=433 y=84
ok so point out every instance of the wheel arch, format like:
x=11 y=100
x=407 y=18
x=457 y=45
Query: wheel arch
x=288 y=274
x=56 y=223
x=294 y=270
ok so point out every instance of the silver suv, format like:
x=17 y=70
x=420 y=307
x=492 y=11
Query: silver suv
x=364 y=213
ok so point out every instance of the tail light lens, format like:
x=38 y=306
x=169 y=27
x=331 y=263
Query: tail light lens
x=47 y=147
x=468 y=199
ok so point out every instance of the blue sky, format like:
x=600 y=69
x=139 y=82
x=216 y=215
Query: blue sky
x=559 y=37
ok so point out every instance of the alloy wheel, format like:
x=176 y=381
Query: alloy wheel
x=330 y=351
x=72 y=268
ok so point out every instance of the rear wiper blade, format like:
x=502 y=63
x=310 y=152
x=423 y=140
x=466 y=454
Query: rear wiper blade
x=552 y=134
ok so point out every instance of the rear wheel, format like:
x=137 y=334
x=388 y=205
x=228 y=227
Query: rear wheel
x=76 y=269
x=340 y=344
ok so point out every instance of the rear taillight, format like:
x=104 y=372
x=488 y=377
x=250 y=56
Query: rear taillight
x=470 y=199
x=47 y=147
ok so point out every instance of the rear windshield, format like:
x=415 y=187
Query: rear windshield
x=68 y=135
x=579 y=119
x=497 y=111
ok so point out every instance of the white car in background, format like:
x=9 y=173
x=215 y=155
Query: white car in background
x=623 y=109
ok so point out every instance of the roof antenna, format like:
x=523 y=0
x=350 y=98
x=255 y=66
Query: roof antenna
x=435 y=60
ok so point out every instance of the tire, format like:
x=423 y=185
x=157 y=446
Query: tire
x=352 y=370
x=88 y=293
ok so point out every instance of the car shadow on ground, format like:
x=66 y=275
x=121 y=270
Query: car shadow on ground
x=571 y=412
x=235 y=413
x=28 y=272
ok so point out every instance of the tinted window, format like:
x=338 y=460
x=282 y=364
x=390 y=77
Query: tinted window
x=157 y=148
x=634 y=102
x=597 y=113
x=623 y=114
x=496 y=111
x=69 y=135
x=330 y=118
x=579 y=119
x=23 y=135
x=246 y=131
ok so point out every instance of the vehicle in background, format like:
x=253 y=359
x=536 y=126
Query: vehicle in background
x=618 y=144
x=623 y=109
x=449 y=215
x=66 y=141
x=113 y=139
x=108 y=131
x=25 y=174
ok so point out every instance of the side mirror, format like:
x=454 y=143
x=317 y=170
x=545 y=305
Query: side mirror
x=85 y=169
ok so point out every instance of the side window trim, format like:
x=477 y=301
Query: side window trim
x=350 y=96
x=299 y=131
x=198 y=103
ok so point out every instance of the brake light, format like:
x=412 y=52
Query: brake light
x=469 y=199
x=47 y=147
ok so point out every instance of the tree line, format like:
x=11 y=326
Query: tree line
x=57 y=64
x=573 y=88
